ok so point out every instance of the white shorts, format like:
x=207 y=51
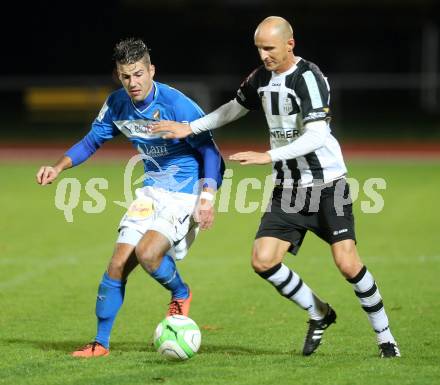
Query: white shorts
x=167 y=212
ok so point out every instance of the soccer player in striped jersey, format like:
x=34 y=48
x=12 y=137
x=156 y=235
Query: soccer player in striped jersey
x=180 y=179
x=309 y=174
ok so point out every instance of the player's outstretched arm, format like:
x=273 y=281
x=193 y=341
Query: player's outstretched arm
x=223 y=115
x=75 y=155
x=47 y=174
x=251 y=157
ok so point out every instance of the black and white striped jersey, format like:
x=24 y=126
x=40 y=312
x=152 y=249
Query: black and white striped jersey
x=290 y=100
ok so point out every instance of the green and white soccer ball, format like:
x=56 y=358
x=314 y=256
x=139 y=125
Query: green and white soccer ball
x=177 y=337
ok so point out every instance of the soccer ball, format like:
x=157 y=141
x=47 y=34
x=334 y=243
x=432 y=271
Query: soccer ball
x=177 y=337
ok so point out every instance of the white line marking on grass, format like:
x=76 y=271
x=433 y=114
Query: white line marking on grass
x=428 y=258
x=37 y=271
x=403 y=258
x=10 y=261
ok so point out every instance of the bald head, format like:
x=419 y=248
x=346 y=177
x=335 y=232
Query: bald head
x=275 y=25
x=274 y=41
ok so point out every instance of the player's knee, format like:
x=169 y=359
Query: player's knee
x=146 y=257
x=261 y=260
x=346 y=258
x=348 y=264
x=143 y=254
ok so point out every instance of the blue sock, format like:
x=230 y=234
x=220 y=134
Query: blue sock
x=168 y=276
x=110 y=298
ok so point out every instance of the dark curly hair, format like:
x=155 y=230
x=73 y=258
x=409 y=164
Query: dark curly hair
x=131 y=50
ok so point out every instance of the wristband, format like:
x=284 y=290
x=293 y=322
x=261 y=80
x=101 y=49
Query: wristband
x=207 y=195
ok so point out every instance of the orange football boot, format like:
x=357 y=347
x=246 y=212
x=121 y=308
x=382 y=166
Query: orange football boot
x=180 y=306
x=93 y=349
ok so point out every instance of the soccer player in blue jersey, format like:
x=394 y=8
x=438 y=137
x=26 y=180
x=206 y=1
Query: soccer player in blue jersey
x=181 y=177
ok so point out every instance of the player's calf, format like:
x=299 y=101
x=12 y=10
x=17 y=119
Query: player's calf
x=368 y=294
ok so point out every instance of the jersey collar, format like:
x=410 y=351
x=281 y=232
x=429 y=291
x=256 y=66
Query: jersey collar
x=289 y=71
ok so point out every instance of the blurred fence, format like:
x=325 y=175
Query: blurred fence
x=86 y=93
x=363 y=104
x=382 y=60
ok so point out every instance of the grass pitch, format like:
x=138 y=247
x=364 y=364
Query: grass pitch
x=50 y=270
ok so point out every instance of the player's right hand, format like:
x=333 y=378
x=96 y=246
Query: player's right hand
x=170 y=129
x=204 y=214
x=46 y=175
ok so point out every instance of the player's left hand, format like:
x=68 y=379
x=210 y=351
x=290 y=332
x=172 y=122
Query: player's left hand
x=169 y=129
x=251 y=157
x=204 y=214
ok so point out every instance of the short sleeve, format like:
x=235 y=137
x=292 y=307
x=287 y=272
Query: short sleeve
x=102 y=126
x=247 y=94
x=186 y=110
x=314 y=94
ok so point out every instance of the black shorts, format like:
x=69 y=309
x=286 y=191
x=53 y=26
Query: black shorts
x=326 y=210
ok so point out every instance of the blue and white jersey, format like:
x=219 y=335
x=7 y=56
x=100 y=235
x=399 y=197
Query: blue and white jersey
x=172 y=164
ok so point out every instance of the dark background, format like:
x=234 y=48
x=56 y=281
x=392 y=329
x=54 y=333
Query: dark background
x=381 y=57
